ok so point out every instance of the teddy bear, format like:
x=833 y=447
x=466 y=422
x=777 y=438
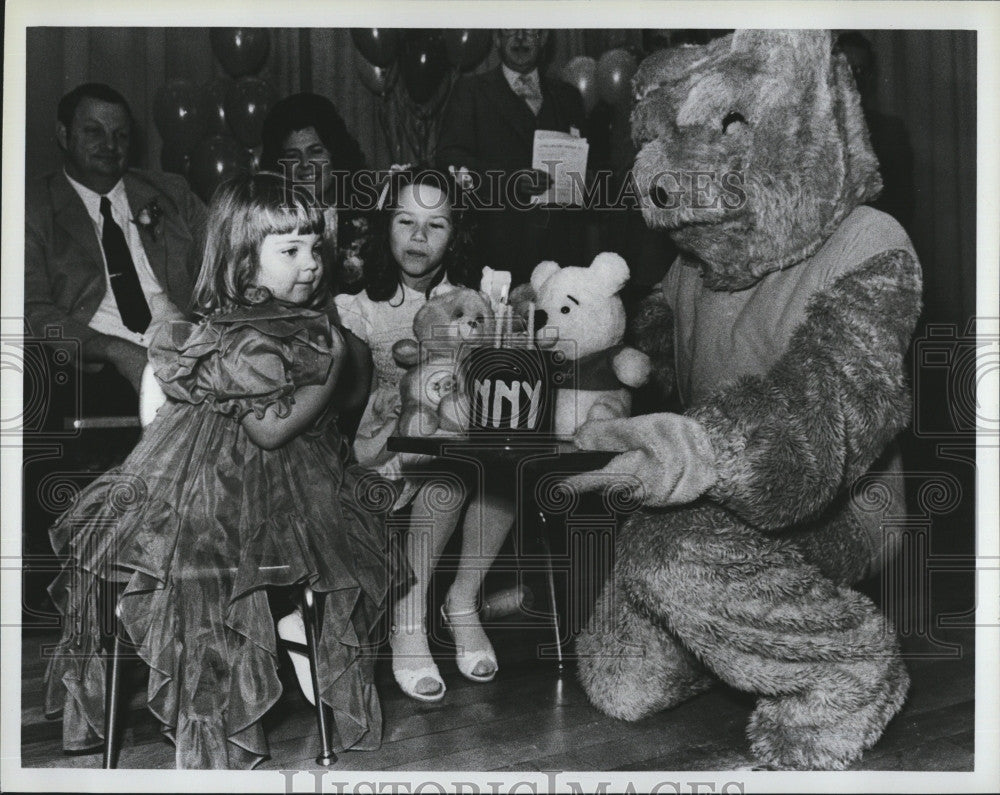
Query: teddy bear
x=783 y=326
x=579 y=313
x=446 y=328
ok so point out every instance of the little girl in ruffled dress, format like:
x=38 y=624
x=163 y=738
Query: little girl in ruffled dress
x=235 y=487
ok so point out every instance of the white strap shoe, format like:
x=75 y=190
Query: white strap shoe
x=466 y=658
x=409 y=678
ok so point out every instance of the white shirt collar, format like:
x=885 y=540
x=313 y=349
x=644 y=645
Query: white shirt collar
x=511 y=76
x=409 y=293
x=92 y=200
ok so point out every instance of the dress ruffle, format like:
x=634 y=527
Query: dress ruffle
x=243 y=361
x=197 y=523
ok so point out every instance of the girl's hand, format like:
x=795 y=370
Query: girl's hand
x=272 y=431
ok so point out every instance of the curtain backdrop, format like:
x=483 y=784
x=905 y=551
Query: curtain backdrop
x=927 y=78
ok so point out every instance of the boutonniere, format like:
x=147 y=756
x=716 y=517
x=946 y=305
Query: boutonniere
x=148 y=218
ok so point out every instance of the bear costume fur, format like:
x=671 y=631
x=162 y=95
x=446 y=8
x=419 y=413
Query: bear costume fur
x=783 y=326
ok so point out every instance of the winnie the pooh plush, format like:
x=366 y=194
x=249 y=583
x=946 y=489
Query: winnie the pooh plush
x=579 y=313
x=446 y=328
x=784 y=325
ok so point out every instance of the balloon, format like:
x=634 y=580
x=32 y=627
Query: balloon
x=181 y=114
x=466 y=48
x=580 y=73
x=215 y=160
x=614 y=76
x=173 y=160
x=247 y=103
x=378 y=45
x=377 y=79
x=255 y=153
x=423 y=65
x=215 y=97
x=241 y=51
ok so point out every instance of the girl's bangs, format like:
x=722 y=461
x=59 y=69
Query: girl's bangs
x=292 y=216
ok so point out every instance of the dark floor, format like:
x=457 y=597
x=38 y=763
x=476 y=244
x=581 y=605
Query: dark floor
x=531 y=718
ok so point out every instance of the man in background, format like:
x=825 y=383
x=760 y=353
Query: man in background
x=489 y=126
x=109 y=251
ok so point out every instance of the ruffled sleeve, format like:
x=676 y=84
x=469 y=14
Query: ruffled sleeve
x=243 y=361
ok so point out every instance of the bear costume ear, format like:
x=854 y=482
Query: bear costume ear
x=801 y=46
x=791 y=56
x=542 y=272
x=406 y=353
x=611 y=270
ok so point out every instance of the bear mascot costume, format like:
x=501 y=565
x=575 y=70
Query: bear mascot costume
x=783 y=326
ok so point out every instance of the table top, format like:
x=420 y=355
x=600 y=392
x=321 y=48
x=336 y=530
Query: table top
x=502 y=447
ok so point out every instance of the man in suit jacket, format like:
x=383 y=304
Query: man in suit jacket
x=72 y=252
x=489 y=126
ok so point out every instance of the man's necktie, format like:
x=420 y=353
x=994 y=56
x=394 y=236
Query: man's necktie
x=131 y=302
x=526 y=89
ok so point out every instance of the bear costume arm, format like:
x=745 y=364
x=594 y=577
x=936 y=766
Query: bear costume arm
x=787 y=443
x=652 y=329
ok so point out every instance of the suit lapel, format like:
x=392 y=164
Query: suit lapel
x=140 y=193
x=71 y=215
x=550 y=116
x=513 y=110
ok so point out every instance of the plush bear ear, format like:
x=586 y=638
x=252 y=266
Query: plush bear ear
x=406 y=353
x=611 y=270
x=542 y=272
x=521 y=296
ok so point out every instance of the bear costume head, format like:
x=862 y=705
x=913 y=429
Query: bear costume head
x=752 y=150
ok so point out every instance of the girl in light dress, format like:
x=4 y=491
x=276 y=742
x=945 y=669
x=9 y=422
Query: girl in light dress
x=421 y=248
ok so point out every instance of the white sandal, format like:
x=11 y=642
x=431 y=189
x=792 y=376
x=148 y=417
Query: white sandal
x=409 y=678
x=468 y=660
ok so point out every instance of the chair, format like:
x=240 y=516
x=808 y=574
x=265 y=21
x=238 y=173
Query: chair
x=114 y=640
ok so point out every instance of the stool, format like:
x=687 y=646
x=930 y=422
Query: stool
x=311 y=612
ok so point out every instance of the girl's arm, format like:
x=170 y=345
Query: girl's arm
x=273 y=431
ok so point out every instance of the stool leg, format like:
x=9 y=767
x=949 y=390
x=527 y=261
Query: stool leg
x=112 y=726
x=550 y=577
x=310 y=617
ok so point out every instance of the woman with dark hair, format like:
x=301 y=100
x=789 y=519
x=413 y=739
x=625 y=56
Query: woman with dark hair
x=305 y=138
